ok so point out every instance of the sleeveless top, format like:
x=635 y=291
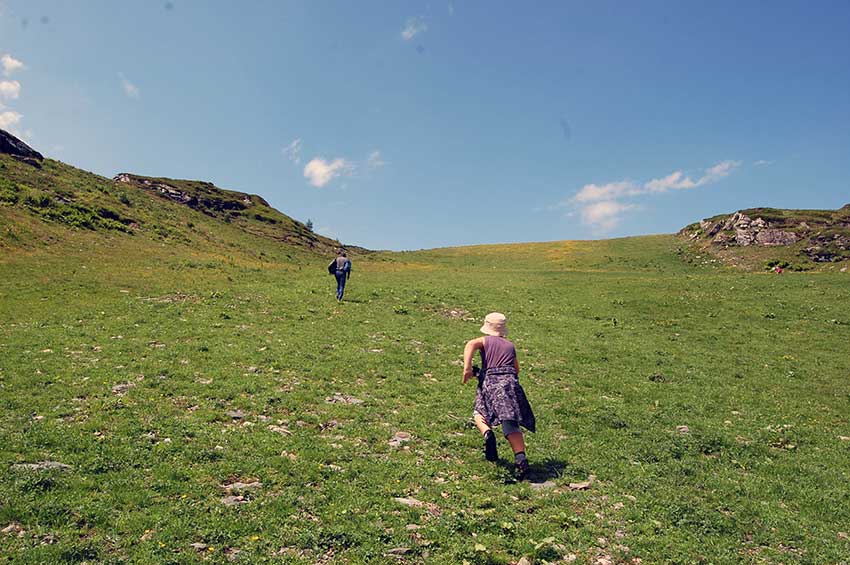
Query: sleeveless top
x=497 y=352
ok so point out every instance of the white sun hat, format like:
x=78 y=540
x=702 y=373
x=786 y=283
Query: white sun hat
x=495 y=324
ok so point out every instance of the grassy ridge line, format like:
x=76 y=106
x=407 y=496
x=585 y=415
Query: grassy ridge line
x=41 y=207
x=620 y=343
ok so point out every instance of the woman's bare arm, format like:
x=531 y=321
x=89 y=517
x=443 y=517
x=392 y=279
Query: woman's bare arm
x=469 y=350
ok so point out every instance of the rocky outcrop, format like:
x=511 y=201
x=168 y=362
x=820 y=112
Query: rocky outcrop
x=820 y=236
x=11 y=145
x=775 y=237
x=740 y=229
x=164 y=189
x=202 y=196
x=828 y=248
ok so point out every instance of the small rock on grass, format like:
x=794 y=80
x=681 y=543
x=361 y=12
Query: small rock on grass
x=233 y=500
x=235 y=414
x=583 y=485
x=42 y=466
x=398 y=551
x=199 y=546
x=433 y=509
x=683 y=429
x=238 y=486
x=14 y=528
x=121 y=388
x=525 y=561
x=399 y=438
x=338 y=398
x=542 y=486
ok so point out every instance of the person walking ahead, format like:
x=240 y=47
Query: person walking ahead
x=499 y=398
x=341 y=268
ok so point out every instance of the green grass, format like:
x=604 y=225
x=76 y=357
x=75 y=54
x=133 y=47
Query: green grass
x=620 y=342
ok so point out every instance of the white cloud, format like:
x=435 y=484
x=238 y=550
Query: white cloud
x=762 y=163
x=413 y=27
x=719 y=171
x=674 y=181
x=9 y=118
x=130 y=89
x=293 y=151
x=602 y=208
x=10 y=64
x=594 y=192
x=320 y=172
x=10 y=89
x=375 y=160
x=604 y=216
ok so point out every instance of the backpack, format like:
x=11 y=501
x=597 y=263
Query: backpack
x=332 y=267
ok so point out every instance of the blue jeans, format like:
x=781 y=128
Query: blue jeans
x=341 y=277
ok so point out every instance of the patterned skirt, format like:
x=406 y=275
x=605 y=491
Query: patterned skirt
x=500 y=397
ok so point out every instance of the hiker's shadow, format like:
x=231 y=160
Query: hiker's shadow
x=539 y=471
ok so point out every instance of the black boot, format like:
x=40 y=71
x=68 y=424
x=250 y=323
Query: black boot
x=490 y=452
x=520 y=466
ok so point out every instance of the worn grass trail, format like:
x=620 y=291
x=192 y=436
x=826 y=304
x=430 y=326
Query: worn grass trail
x=161 y=379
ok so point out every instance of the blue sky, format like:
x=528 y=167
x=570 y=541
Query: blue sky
x=406 y=125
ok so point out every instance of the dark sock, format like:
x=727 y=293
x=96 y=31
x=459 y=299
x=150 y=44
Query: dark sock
x=519 y=457
x=490 y=451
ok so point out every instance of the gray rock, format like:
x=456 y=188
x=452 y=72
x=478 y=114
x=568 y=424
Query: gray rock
x=399 y=438
x=240 y=486
x=412 y=502
x=338 y=398
x=42 y=465
x=542 y=486
x=744 y=236
x=775 y=237
x=583 y=485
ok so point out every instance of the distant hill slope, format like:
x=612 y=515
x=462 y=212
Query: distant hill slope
x=764 y=237
x=42 y=201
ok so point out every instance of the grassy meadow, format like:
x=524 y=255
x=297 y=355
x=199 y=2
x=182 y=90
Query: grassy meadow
x=711 y=406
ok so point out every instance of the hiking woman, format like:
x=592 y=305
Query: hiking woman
x=499 y=399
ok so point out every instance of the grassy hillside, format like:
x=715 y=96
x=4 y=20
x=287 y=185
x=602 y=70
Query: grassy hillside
x=40 y=207
x=710 y=404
